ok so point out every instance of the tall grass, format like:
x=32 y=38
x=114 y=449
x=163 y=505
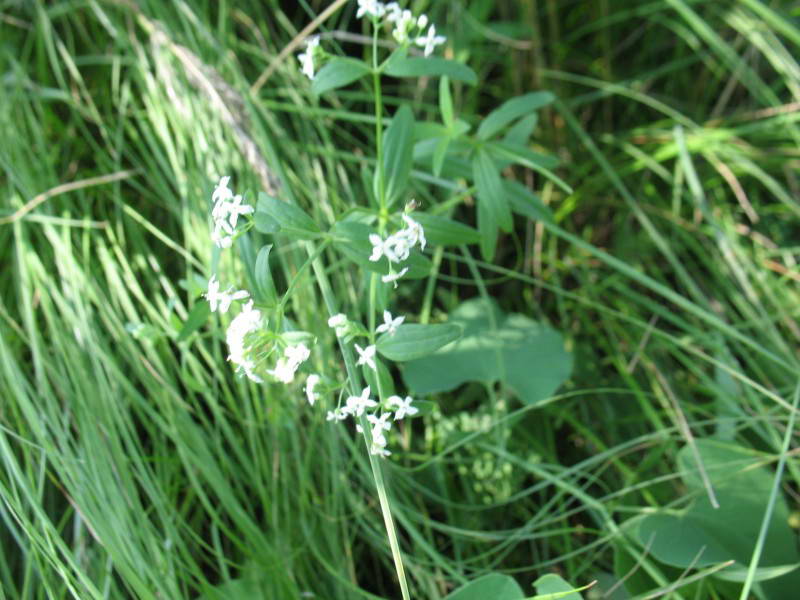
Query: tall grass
x=136 y=465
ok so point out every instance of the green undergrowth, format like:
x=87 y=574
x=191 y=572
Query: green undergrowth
x=135 y=464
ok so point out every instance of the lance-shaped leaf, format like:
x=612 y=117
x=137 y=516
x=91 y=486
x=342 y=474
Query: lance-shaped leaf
x=402 y=66
x=264 y=291
x=446 y=232
x=273 y=216
x=338 y=72
x=416 y=341
x=398 y=154
x=512 y=110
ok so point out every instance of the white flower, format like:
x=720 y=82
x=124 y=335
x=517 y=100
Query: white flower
x=379 y=425
x=245 y=322
x=389 y=325
x=357 y=404
x=404 y=407
x=307 y=58
x=311 y=382
x=297 y=354
x=371 y=8
x=222 y=300
x=219 y=237
x=398 y=246
x=287 y=364
x=422 y=22
x=414 y=232
x=378 y=247
x=339 y=323
x=337 y=414
x=366 y=356
x=403 y=23
x=394 y=276
x=379 y=450
x=236 y=208
x=430 y=41
x=222 y=193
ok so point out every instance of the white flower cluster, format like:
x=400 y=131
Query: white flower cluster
x=357 y=405
x=404 y=23
x=245 y=322
x=287 y=364
x=397 y=247
x=226 y=211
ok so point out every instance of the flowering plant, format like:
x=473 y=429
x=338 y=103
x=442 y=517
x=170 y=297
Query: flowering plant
x=386 y=237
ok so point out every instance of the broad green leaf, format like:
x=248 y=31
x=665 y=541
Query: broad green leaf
x=401 y=66
x=446 y=102
x=351 y=238
x=512 y=110
x=196 y=319
x=414 y=341
x=272 y=216
x=338 y=72
x=553 y=587
x=398 y=153
x=446 y=232
x=702 y=535
x=528 y=356
x=524 y=202
x=264 y=291
x=493 y=586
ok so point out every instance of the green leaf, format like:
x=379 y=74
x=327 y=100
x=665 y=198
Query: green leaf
x=553 y=587
x=338 y=72
x=351 y=238
x=264 y=287
x=530 y=159
x=524 y=202
x=528 y=356
x=493 y=586
x=446 y=232
x=401 y=66
x=490 y=190
x=196 y=319
x=702 y=535
x=512 y=110
x=520 y=133
x=415 y=341
x=273 y=216
x=446 y=102
x=398 y=153
x=440 y=153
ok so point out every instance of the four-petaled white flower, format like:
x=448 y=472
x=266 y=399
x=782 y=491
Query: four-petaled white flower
x=366 y=356
x=403 y=405
x=379 y=450
x=379 y=425
x=371 y=8
x=430 y=41
x=337 y=414
x=297 y=354
x=390 y=325
x=222 y=300
x=357 y=404
x=414 y=232
x=307 y=58
x=311 y=383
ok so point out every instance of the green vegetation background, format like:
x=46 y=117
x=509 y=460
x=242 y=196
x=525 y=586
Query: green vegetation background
x=135 y=465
